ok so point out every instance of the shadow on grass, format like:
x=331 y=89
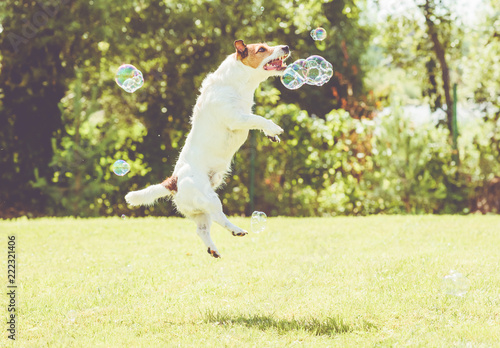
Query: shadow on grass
x=328 y=327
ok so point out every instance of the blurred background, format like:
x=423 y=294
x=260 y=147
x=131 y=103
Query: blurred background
x=409 y=123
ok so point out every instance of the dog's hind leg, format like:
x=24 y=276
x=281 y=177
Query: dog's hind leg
x=203 y=223
x=221 y=219
x=210 y=202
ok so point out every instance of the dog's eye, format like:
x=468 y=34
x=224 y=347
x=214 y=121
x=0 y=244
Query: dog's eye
x=262 y=49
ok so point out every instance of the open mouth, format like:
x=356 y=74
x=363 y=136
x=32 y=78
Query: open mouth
x=276 y=64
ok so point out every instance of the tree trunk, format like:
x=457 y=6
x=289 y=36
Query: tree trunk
x=445 y=71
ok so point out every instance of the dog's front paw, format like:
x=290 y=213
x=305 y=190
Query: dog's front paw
x=214 y=253
x=272 y=130
x=274 y=139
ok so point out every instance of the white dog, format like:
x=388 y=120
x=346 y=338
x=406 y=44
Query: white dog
x=222 y=118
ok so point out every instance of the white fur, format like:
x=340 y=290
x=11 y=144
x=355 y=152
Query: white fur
x=148 y=196
x=222 y=118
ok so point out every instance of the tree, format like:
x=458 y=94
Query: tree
x=174 y=43
x=42 y=45
x=425 y=43
x=32 y=82
x=429 y=9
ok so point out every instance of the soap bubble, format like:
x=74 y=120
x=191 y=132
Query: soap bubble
x=121 y=167
x=72 y=314
x=295 y=75
x=124 y=216
x=258 y=221
x=129 y=78
x=318 y=34
x=291 y=80
x=455 y=284
x=319 y=70
x=314 y=70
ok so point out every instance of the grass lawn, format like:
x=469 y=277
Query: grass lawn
x=315 y=282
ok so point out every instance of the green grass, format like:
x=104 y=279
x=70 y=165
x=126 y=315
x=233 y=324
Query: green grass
x=324 y=282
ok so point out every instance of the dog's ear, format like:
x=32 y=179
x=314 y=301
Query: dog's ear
x=241 y=49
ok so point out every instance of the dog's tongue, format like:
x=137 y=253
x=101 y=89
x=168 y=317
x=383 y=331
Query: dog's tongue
x=273 y=65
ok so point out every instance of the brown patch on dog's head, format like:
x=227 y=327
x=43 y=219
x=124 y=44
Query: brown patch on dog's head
x=255 y=55
x=252 y=55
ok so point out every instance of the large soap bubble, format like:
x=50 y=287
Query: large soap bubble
x=314 y=70
x=319 y=70
x=295 y=75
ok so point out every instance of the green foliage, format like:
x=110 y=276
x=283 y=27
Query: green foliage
x=63 y=120
x=83 y=183
x=289 y=180
x=313 y=171
x=343 y=166
x=407 y=46
x=42 y=44
x=480 y=73
x=412 y=166
x=480 y=165
x=175 y=44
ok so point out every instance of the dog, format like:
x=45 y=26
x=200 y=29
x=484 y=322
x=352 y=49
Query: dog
x=221 y=120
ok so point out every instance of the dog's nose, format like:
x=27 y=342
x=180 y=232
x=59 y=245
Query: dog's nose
x=286 y=49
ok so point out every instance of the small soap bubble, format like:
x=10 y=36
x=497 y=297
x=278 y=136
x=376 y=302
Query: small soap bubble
x=71 y=316
x=318 y=34
x=258 y=221
x=455 y=284
x=121 y=167
x=129 y=78
x=123 y=216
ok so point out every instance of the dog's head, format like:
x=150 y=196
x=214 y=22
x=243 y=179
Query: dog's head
x=262 y=57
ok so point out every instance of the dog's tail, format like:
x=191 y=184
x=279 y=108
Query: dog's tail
x=151 y=194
